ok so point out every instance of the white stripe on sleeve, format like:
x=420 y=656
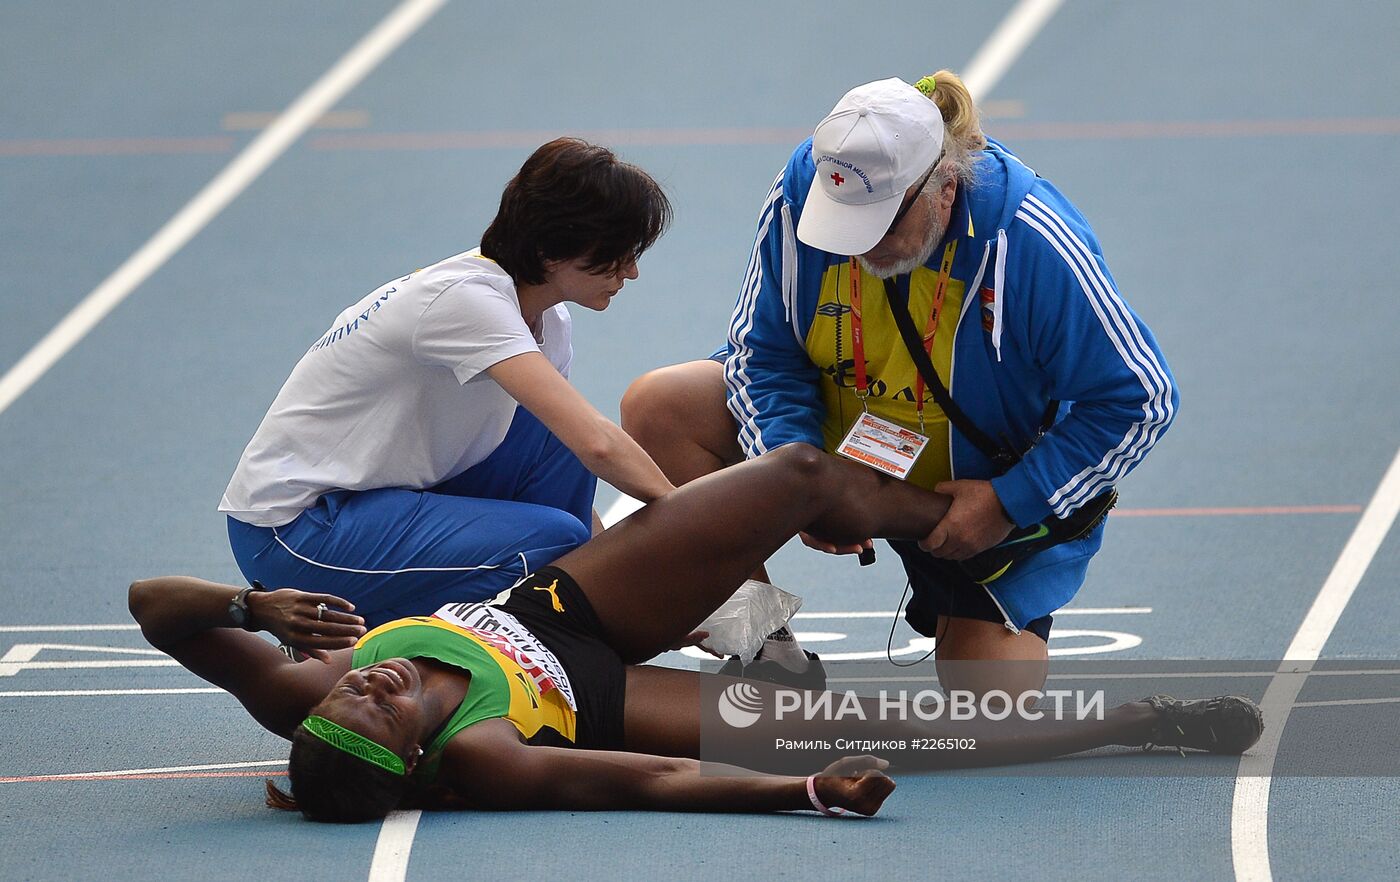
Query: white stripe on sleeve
x=736 y=377
x=1126 y=338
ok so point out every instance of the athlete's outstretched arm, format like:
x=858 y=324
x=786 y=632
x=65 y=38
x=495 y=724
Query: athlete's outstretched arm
x=189 y=619
x=490 y=768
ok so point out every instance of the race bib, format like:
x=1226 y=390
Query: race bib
x=503 y=632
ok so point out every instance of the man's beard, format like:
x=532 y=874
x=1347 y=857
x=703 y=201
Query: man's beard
x=908 y=264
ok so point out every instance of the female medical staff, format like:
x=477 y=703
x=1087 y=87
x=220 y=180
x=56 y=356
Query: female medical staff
x=428 y=446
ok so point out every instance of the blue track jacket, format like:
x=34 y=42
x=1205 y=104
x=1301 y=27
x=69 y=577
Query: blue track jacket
x=1041 y=320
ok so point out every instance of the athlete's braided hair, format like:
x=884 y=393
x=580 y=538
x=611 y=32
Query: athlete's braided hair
x=329 y=784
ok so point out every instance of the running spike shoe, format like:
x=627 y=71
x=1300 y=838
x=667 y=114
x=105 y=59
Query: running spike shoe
x=768 y=671
x=1224 y=724
x=1023 y=542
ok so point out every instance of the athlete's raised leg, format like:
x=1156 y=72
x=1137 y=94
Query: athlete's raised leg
x=678 y=415
x=659 y=573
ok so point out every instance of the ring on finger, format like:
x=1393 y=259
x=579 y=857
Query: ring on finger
x=320 y=611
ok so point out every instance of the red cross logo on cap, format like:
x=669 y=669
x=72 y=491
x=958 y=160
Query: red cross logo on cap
x=835 y=176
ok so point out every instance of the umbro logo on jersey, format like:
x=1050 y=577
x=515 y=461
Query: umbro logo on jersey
x=833 y=310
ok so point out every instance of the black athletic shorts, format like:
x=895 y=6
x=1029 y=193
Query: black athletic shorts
x=570 y=629
x=942 y=589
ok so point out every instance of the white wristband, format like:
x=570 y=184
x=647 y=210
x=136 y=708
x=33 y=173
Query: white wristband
x=834 y=811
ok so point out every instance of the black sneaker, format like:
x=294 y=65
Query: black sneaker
x=1225 y=724
x=1023 y=542
x=768 y=671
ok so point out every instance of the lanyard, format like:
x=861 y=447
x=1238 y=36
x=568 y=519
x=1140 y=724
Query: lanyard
x=945 y=271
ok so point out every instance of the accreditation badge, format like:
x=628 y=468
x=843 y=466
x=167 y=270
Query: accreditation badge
x=882 y=445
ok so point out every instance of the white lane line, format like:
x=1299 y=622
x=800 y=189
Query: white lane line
x=245 y=168
x=1069 y=611
x=1006 y=44
x=166 y=770
x=83 y=647
x=1163 y=675
x=8 y=668
x=1249 y=816
x=40 y=629
x=1345 y=701
x=390 y=863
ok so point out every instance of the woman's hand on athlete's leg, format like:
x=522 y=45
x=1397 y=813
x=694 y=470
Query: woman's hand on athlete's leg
x=696 y=638
x=821 y=544
x=312 y=623
x=855 y=783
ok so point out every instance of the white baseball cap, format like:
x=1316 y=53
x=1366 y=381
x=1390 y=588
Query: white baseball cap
x=876 y=143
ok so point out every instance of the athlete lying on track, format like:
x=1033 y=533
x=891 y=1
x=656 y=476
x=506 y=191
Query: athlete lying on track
x=425 y=712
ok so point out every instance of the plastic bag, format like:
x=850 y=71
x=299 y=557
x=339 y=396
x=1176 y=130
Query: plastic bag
x=756 y=610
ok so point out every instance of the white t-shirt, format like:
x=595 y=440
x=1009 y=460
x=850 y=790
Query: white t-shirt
x=395 y=394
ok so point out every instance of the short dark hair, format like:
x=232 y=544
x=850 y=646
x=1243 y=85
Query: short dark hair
x=572 y=199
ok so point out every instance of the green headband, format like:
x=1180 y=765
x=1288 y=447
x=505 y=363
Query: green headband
x=354 y=743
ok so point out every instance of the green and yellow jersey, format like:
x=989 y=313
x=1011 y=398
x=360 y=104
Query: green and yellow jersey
x=505 y=684
x=891 y=372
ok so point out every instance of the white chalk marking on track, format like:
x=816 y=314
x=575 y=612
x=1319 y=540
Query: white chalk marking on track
x=1161 y=675
x=888 y=613
x=1196 y=675
x=8 y=669
x=1342 y=702
x=40 y=629
x=20 y=657
x=172 y=769
x=83 y=647
x=391 y=851
x=1006 y=44
x=1249 y=816
x=260 y=153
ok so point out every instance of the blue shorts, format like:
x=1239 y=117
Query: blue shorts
x=941 y=589
x=395 y=552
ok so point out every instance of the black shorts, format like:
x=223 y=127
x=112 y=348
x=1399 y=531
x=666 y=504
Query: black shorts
x=942 y=589
x=575 y=636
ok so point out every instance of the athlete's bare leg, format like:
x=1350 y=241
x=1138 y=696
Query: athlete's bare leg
x=656 y=576
x=677 y=414
x=664 y=707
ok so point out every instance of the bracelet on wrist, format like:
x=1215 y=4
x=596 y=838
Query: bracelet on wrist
x=833 y=812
